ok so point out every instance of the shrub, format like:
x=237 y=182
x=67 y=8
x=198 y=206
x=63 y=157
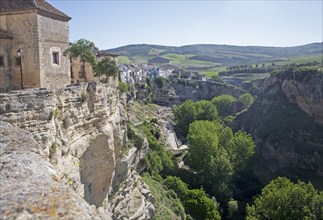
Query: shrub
x=123 y=87
x=246 y=99
x=195 y=201
x=161 y=82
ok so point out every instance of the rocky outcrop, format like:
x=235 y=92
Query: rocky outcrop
x=176 y=91
x=133 y=200
x=285 y=121
x=81 y=131
x=30 y=186
x=308 y=96
x=79 y=128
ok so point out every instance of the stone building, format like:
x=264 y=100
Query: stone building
x=40 y=31
x=80 y=73
x=78 y=70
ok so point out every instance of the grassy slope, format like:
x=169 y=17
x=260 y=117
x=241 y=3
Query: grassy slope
x=167 y=205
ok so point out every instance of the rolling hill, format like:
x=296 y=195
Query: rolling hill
x=210 y=58
x=224 y=54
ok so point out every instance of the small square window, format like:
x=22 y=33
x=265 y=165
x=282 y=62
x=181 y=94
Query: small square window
x=55 y=58
x=1 y=61
x=18 y=61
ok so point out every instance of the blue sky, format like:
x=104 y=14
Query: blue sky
x=111 y=24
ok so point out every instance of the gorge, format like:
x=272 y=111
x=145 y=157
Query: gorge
x=67 y=152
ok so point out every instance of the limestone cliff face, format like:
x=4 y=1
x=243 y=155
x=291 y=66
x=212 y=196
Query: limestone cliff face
x=308 y=96
x=30 y=187
x=80 y=130
x=286 y=122
x=178 y=90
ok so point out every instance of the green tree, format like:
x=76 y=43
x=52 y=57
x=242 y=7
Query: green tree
x=223 y=104
x=82 y=49
x=233 y=210
x=205 y=110
x=282 y=199
x=208 y=159
x=218 y=155
x=184 y=115
x=123 y=87
x=189 y=111
x=246 y=99
x=225 y=136
x=217 y=177
x=199 y=206
x=203 y=141
x=241 y=148
x=176 y=184
x=195 y=201
x=106 y=67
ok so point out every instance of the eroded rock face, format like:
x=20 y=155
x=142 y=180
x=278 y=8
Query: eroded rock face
x=285 y=121
x=177 y=91
x=30 y=186
x=76 y=127
x=79 y=132
x=308 y=96
x=97 y=169
x=133 y=200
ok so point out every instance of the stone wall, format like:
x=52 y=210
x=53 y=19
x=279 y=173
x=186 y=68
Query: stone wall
x=77 y=74
x=6 y=75
x=53 y=38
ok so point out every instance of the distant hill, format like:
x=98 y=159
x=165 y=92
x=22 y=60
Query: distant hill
x=210 y=55
x=159 y=60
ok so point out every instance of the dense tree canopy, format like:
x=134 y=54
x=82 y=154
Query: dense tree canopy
x=195 y=201
x=205 y=110
x=223 y=104
x=106 y=67
x=240 y=149
x=217 y=154
x=190 y=111
x=283 y=199
x=184 y=114
x=204 y=144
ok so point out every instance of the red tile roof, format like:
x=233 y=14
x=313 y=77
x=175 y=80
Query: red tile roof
x=5 y=34
x=42 y=6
